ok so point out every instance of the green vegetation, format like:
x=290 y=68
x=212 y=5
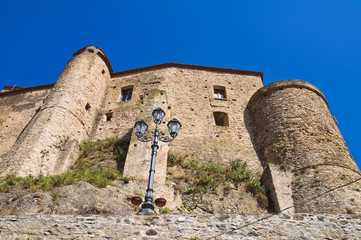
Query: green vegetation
x=89 y=168
x=208 y=176
x=164 y=210
x=94 y=152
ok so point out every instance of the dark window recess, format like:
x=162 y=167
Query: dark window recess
x=109 y=116
x=220 y=92
x=221 y=119
x=87 y=106
x=127 y=93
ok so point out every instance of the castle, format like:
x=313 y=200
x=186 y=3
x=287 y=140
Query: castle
x=284 y=131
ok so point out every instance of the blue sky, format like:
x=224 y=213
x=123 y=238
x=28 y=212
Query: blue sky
x=316 y=41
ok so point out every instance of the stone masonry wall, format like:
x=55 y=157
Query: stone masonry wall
x=49 y=143
x=299 y=136
x=16 y=110
x=284 y=128
x=187 y=95
x=300 y=226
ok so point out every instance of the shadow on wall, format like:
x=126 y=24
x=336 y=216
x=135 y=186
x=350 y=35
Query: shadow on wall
x=251 y=128
x=120 y=152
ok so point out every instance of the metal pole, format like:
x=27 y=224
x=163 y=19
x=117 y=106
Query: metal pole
x=148 y=206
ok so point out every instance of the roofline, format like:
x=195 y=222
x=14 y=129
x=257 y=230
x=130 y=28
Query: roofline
x=11 y=88
x=187 y=66
x=104 y=57
x=26 y=89
x=139 y=70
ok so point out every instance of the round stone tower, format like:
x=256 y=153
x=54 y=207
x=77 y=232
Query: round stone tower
x=49 y=143
x=304 y=154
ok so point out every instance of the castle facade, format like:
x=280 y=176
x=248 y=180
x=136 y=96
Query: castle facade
x=284 y=131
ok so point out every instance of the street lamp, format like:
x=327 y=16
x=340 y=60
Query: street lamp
x=140 y=128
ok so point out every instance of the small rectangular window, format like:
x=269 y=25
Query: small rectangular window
x=108 y=116
x=127 y=93
x=220 y=92
x=221 y=118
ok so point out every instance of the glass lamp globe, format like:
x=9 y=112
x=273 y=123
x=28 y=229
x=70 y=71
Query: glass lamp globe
x=174 y=127
x=140 y=128
x=158 y=115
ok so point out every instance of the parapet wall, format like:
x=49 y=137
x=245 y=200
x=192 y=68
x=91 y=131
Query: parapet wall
x=298 y=136
x=300 y=226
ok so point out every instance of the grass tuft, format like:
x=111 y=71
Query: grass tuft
x=164 y=210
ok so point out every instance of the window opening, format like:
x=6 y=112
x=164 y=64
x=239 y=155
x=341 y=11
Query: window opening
x=220 y=92
x=108 y=116
x=221 y=118
x=127 y=93
x=87 y=107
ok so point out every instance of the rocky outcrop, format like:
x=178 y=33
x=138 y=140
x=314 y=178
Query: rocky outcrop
x=77 y=199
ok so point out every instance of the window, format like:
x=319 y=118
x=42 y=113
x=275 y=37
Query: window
x=220 y=92
x=87 y=107
x=108 y=116
x=221 y=118
x=127 y=93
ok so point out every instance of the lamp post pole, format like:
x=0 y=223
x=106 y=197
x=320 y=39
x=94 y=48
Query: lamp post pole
x=148 y=206
x=140 y=128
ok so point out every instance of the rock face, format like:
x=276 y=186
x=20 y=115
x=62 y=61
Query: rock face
x=78 y=199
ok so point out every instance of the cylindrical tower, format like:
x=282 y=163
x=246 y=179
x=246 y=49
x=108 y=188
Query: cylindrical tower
x=303 y=151
x=47 y=143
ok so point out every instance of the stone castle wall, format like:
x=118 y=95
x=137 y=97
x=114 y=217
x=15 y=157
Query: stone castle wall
x=303 y=148
x=300 y=226
x=81 y=105
x=49 y=141
x=187 y=95
x=283 y=130
x=16 y=111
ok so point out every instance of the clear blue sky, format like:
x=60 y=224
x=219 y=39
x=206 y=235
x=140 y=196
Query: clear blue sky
x=316 y=41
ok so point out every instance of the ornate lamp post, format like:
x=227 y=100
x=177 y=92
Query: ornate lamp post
x=140 y=128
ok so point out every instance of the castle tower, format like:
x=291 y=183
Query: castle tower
x=303 y=150
x=49 y=143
